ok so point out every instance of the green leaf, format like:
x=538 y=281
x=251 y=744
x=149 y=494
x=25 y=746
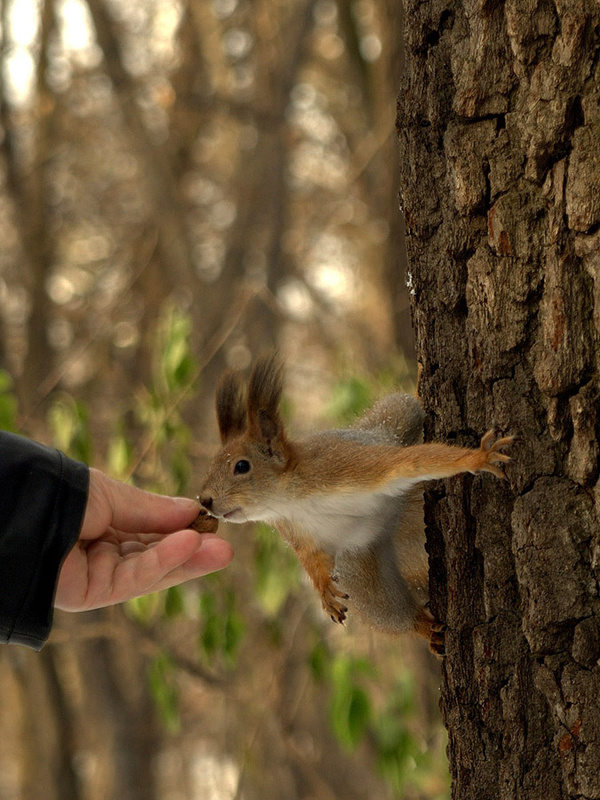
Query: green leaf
x=275 y=569
x=174 y=602
x=319 y=660
x=164 y=691
x=69 y=421
x=349 y=399
x=233 y=634
x=8 y=412
x=118 y=458
x=223 y=627
x=6 y=382
x=350 y=706
x=210 y=638
x=345 y=668
x=176 y=363
x=180 y=470
x=397 y=750
x=8 y=403
x=350 y=715
x=144 y=609
x=396 y=764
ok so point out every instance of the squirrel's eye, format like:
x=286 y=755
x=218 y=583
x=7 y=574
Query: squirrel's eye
x=241 y=467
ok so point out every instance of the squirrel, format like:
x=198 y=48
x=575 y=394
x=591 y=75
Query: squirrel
x=349 y=502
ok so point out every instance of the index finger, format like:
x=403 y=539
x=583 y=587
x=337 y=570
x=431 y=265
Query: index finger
x=137 y=511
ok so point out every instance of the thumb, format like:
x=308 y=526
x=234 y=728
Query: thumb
x=115 y=504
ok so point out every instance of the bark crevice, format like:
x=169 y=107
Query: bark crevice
x=501 y=193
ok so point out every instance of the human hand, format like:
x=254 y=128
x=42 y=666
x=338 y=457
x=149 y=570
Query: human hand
x=132 y=543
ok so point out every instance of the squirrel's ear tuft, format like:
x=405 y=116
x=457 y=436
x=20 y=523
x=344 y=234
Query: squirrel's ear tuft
x=264 y=393
x=231 y=406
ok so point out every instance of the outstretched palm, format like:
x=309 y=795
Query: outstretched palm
x=132 y=543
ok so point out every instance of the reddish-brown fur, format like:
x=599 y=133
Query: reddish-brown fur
x=348 y=502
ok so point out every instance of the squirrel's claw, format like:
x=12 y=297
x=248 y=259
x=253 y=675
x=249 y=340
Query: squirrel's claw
x=344 y=596
x=437 y=643
x=331 y=599
x=490 y=457
x=431 y=629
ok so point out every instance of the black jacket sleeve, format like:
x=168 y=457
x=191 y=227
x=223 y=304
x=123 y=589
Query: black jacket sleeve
x=43 y=495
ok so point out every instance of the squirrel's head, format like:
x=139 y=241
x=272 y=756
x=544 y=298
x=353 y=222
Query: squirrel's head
x=245 y=476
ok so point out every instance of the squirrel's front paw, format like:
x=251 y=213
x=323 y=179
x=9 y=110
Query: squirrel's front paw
x=333 y=599
x=491 y=459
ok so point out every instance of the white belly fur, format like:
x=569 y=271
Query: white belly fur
x=344 y=522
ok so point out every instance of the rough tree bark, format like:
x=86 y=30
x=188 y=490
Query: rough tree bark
x=499 y=130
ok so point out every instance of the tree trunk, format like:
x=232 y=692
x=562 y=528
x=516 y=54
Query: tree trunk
x=499 y=129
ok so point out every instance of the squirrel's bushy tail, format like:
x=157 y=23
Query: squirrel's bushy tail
x=400 y=416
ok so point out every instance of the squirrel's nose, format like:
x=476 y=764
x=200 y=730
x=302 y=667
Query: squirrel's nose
x=207 y=502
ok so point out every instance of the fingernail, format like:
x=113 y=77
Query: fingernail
x=186 y=502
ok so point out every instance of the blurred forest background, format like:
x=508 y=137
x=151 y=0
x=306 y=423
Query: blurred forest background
x=183 y=184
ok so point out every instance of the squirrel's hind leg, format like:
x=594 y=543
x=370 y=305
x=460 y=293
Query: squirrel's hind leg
x=383 y=597
x=431 y=629
x=376 y=588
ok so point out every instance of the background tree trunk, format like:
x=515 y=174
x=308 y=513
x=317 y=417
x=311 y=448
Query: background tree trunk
x=499 y=129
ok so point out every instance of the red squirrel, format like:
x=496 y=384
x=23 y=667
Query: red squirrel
x=349 y=502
